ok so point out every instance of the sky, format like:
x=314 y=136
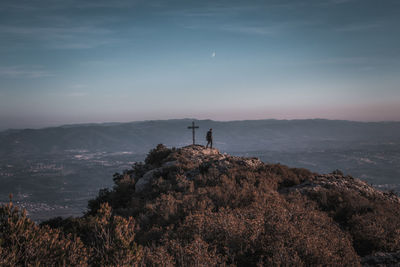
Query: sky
x=80 y=61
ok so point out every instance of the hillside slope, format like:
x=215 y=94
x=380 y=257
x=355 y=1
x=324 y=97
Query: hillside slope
x=195 y=205
x=198 y=207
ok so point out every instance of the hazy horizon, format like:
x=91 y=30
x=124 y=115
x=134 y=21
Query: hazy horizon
x=70 y=62
x=189 y=119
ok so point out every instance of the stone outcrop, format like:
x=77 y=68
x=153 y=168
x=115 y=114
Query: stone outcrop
x=200 y=157
x=334 y=182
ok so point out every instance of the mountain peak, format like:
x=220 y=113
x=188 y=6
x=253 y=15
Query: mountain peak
x=241 y=211
x=193 y=158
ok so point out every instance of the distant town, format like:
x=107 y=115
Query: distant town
x=60 y=185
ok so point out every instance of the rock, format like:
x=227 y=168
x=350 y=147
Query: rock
x=253 y=163
x=170 y=163
x=145 y=180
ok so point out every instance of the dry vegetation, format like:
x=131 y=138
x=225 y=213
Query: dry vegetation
x=202 y=208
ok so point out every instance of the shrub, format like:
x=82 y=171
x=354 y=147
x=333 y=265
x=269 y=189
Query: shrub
x=112 y=239
x=372 y=222
x=23 y=243
x=157 y=155
x=109 y=238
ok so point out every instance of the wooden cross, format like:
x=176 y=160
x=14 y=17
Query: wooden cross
x=193 y=127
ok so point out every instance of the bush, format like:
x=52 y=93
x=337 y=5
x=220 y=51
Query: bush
x=157 y=155
x=111 y=239
x=23 y=243
x=104 y=240
x=373 y=223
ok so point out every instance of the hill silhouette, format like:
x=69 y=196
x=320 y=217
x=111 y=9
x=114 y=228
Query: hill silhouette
x=232 y=136
x=198 y=207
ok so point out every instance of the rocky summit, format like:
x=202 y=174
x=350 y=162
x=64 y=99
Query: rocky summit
x=194 y=206
x=197 y=206
x=199 y=159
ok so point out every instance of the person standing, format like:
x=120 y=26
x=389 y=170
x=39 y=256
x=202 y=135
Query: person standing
x=209 y=138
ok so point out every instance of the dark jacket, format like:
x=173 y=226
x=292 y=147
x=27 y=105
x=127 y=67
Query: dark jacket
x=209 y=136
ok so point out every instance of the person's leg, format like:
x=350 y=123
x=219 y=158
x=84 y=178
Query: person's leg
x=211 y=143
x=207 y=143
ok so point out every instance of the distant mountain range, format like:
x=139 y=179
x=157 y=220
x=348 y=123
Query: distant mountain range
x=231 y=136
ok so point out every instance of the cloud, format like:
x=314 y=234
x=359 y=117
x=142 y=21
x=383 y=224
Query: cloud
x=269 y=29
x=59 y=32
x=213 y=54
x=80 y=37
x=82 y=43
x=67 y=4
x=354 y=61
x=24 y=72
x=60 y=29
x=341 y=60
x=77 y=94
x=358 y=27
x=103 y=4
x=79 y=86
x=367 y=68
x=207 y=10
x=257 y=30
x=327 y=3
x=340 y=1
x=241 y=29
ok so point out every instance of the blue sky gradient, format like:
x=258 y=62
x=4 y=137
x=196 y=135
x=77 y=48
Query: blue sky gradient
x=76 y=61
